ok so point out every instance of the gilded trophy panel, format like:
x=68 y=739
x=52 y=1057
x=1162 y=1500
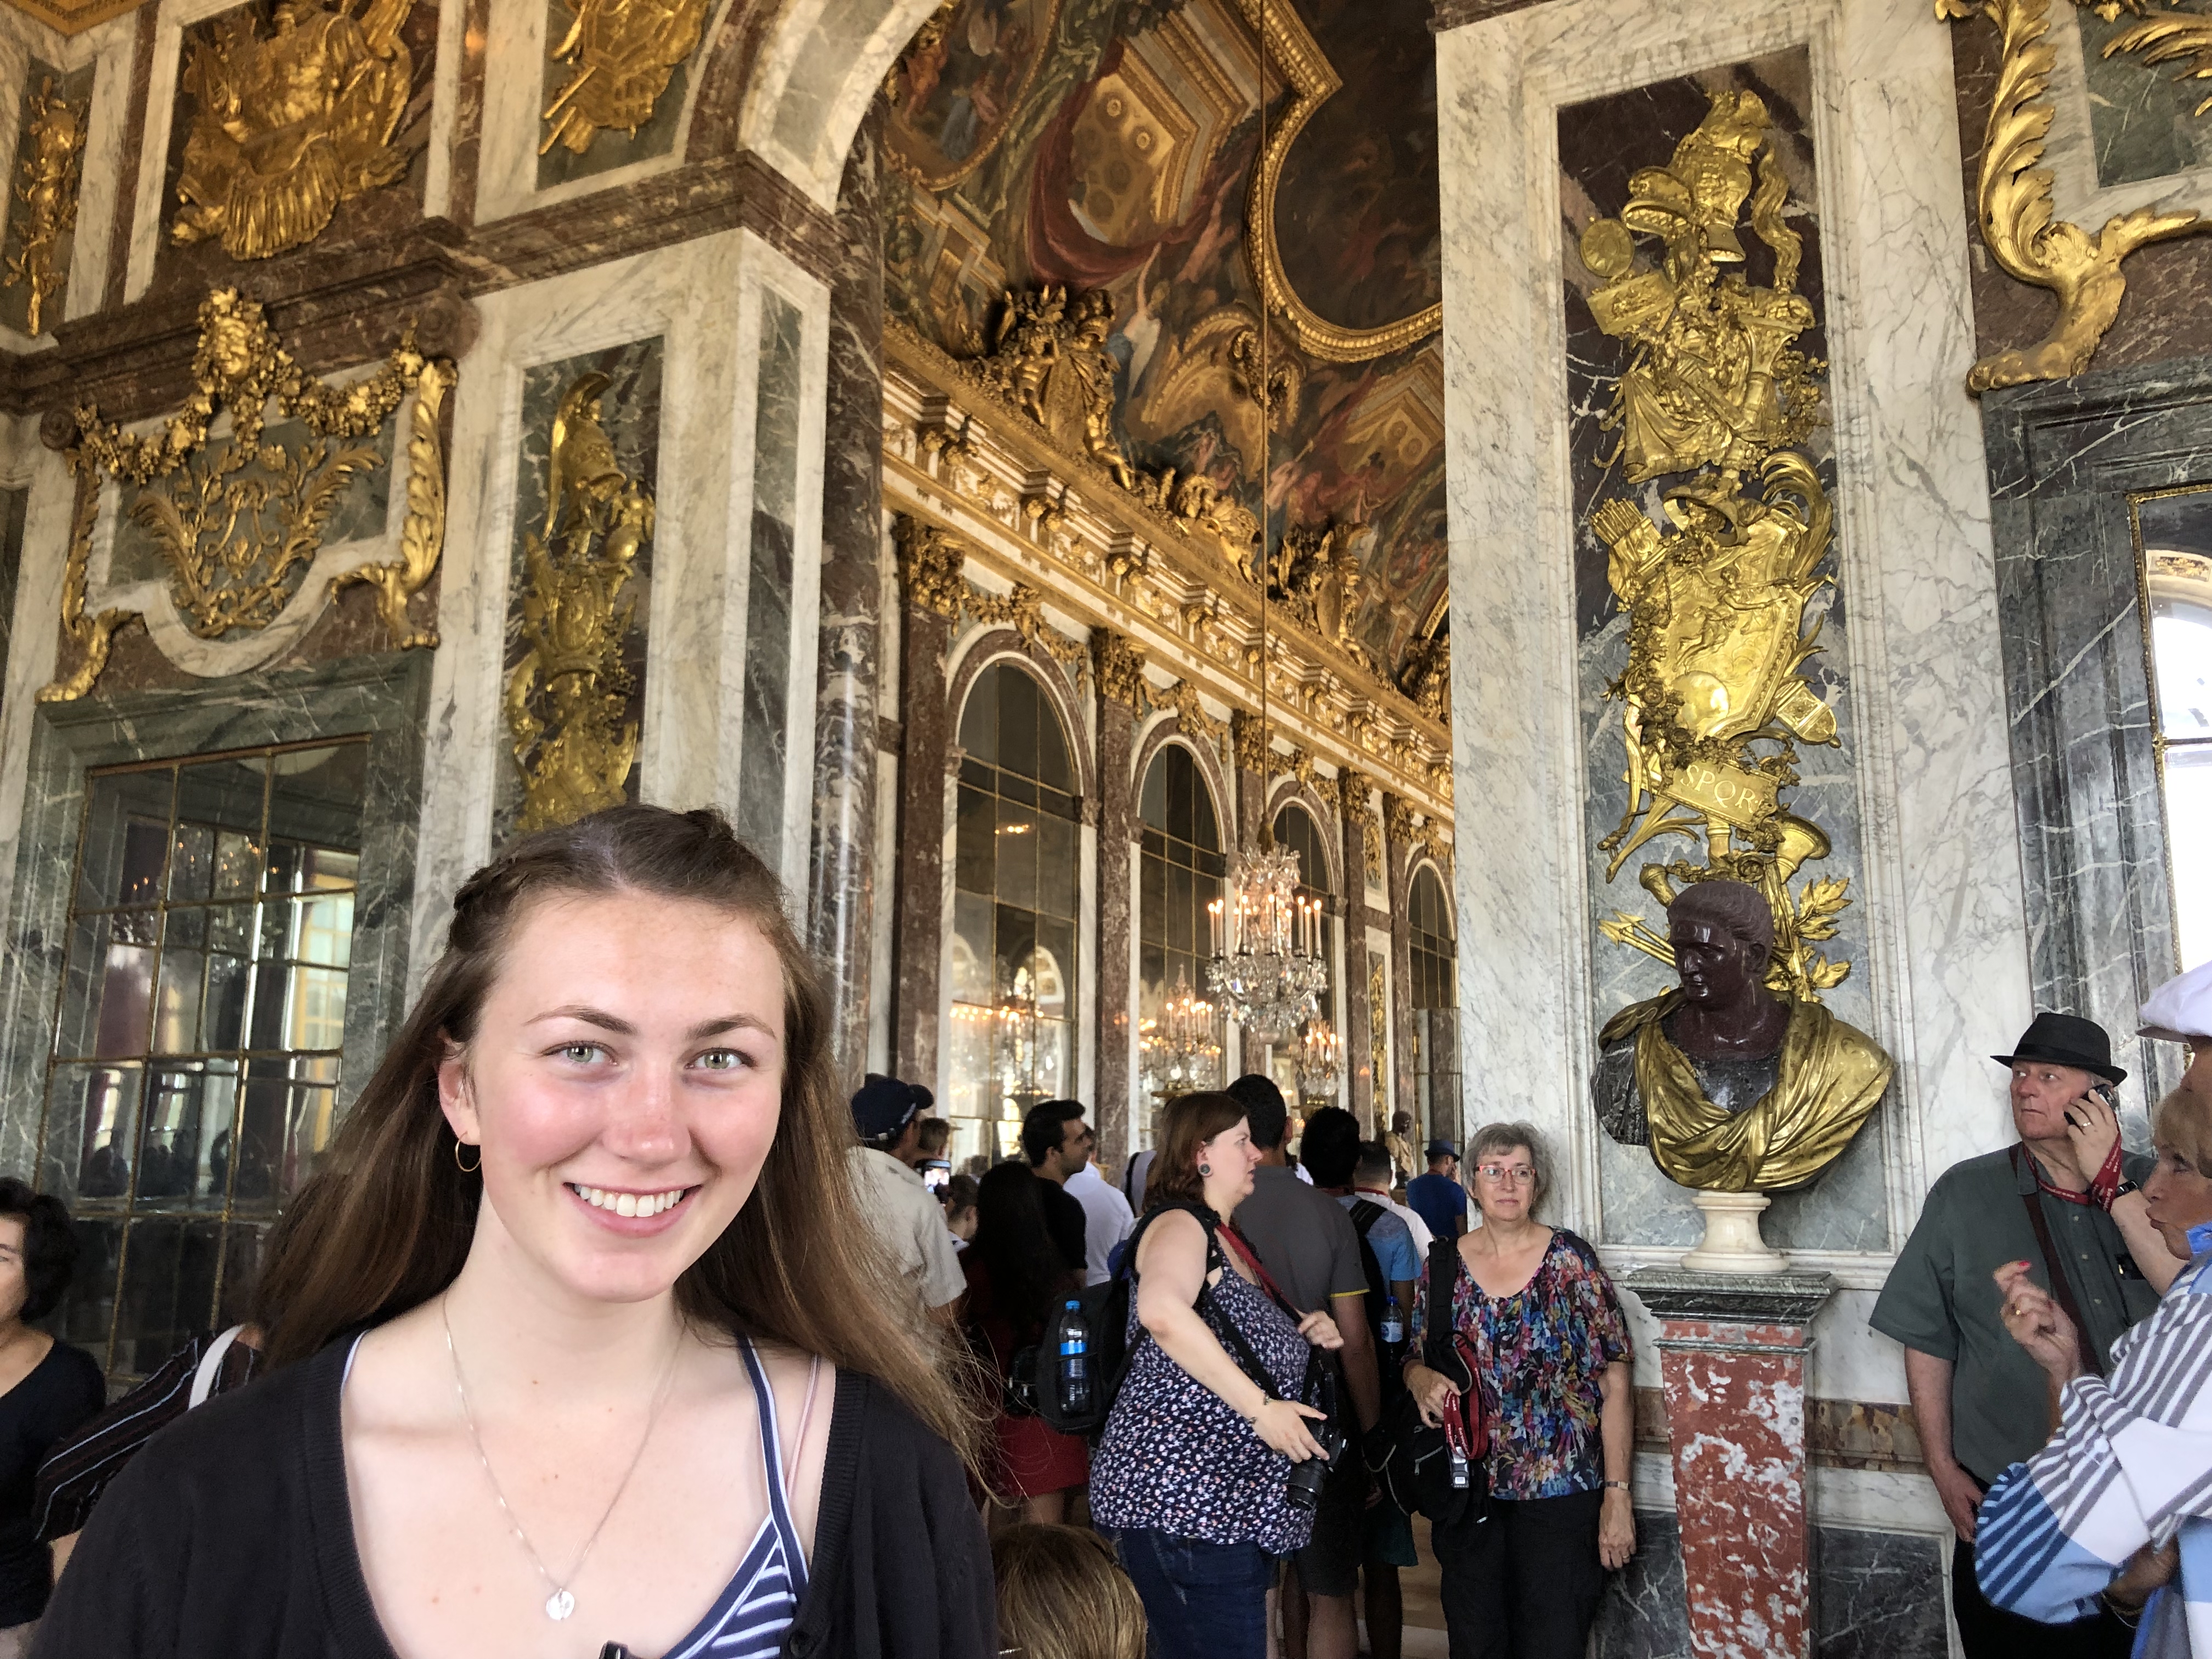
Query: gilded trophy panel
x=615 y=78
x=292 y=123
x=41 y=227
x=579 y=586
x=1714 y=643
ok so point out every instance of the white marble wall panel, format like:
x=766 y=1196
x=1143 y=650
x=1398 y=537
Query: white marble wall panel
x=1946 y=960
x=694 y=295
x=34 y=639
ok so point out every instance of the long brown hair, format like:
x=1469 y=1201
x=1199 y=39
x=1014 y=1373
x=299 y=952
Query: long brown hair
x=1190 y=1121
x=1063 y=1596
x=391 y=1224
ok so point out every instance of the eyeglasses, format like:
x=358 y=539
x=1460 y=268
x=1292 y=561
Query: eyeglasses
x=1499 y=1174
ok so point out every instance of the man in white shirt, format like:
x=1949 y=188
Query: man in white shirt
x=1106 y=1217
x=887 y=1115
x=1372 y=1178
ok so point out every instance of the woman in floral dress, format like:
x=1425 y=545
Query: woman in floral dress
x=1535 y=1321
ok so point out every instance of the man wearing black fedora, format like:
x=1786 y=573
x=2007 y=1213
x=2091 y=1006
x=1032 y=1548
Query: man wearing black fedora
x=2063 y=1201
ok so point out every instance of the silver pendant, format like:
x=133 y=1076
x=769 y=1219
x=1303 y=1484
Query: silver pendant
x=560 y=1605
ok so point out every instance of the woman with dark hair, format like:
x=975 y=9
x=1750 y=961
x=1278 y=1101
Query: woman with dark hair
x=46 y=1389
x=1191 y=1477
x=1017 y=1283
x=587 y=1348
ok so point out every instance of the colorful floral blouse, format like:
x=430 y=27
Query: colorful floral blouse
x=1541 y=1353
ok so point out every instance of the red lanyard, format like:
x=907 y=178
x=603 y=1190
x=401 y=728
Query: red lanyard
x=1237 y=1241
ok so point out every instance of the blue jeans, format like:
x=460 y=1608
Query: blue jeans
x=1201 y=1600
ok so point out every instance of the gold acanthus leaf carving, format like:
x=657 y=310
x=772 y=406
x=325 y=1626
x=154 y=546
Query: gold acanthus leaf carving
x=236 y=524
x=930 y=560
x=1119 y=665
x=1251 y=742
x=620 y=56
x=46 y=180
x=568 y=697
x=2016 y=205
x=1023 y=610
x=2171 y=40
x=286 y=127
x=1180 y=699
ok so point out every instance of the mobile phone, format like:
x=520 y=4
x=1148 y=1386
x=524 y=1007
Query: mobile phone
x=2105 y=1092
x=935 y=1172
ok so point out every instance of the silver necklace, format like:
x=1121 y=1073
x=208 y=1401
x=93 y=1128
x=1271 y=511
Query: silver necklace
x=562 y=1601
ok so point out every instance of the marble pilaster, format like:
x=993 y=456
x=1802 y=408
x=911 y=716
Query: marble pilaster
x=841 y=875
x=1118 y=832
x=1398 y=868
x=1359 y=1079
x=918 y=939
x=1732 y=1354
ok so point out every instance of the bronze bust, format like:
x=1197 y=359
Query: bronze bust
x=1733 y=1089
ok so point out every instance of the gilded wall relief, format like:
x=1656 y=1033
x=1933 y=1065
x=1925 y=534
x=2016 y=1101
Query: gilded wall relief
x=229 y=534
x=2146 y=125
x=615 y=72
x=1126 y=169
x=1718 y=734
x=579 y=586
x=41 y=233
x=289 y=120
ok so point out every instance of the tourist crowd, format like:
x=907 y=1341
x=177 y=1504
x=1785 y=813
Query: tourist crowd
x=606 y=1328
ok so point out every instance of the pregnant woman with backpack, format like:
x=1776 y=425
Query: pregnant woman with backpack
x=1191 y=1477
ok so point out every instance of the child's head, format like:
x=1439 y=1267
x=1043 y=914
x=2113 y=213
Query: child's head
x=1063 y=1596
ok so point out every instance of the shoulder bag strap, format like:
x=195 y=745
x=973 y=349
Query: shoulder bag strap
x=1439 y=1351
x=2054 y=1268
x=211 y=1367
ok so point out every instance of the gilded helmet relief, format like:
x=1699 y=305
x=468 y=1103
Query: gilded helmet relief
x=287 y=115
x=42 y=203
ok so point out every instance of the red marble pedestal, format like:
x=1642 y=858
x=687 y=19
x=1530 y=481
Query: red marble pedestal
x=1732 y=1350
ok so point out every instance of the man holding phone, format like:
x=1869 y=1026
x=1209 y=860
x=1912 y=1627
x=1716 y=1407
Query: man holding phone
x=2065 y=1201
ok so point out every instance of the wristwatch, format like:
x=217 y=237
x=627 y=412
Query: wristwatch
x=1616 y=1486
x=2122 y=1190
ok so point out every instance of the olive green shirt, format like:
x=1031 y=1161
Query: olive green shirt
x=1942 y=1297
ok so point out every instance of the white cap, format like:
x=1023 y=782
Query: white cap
x=2180 y=1011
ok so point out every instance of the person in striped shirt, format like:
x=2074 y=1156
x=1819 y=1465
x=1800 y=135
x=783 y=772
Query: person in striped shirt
x=2118 y=1507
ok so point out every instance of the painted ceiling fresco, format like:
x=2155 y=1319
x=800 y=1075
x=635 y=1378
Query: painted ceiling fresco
x=1109 y=144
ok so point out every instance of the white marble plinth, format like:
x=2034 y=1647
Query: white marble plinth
x=1732 y=1243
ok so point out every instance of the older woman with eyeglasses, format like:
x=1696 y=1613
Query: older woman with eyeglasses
x=1537 y=1329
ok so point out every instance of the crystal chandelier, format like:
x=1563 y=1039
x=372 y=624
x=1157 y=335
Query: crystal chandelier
x=1181 y=1048
x=1318 y=1053
x=1267 y=964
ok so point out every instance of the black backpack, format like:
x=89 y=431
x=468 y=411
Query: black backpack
x=1408 y=1458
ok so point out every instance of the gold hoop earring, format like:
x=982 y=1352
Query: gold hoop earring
x=466 y=1169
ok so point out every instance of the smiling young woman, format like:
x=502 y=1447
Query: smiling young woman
x=583 y=1343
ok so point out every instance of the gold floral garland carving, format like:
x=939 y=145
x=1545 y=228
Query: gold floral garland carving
x=232 y=541
x=2016 y=204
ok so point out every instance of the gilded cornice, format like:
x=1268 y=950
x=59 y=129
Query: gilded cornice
x=960 y=458
x=68 y=19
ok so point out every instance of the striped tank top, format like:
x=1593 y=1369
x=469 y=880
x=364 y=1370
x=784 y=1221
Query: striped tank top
x=749 y=1620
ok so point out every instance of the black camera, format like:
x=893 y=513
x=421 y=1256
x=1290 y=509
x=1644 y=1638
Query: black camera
x=1308 y=1478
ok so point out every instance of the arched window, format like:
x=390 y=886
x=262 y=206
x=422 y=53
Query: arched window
x=1434 y=989
x=1182 y=872
x=1015 y=894
x=1295 y=828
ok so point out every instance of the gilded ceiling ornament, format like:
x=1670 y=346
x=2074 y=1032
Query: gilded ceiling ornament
x=1119 y=667
x=1292 y=52
x=2014 y=197
x=927 y=40
x=1318 y=578
x=1428 y=679
x=931 y=560
x=240 y=525
x=1715 y=700
x=568 y=698
x=46 y=179
x=287 y=127
x=621 y=55
x=1715 y=380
